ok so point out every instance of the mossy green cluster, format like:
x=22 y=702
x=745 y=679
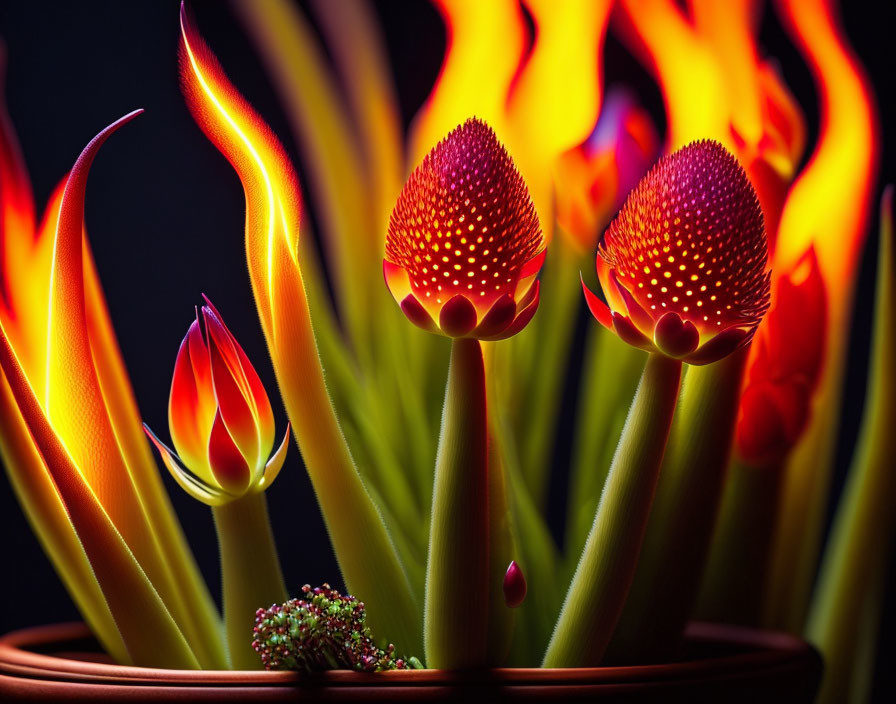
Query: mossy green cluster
x=324 y=630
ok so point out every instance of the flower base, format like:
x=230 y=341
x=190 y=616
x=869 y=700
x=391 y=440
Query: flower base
x=720 y=663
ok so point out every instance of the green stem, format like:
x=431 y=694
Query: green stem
x=863 y=531
x=250 y=572
x=455 y=620
x=547 y=365
x=737 y=568
x=684 y=513
x=503 y=547
x=601 y=582
x=537 y=552
x=609 y=380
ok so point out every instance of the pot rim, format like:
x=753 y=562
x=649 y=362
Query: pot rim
x=760 y=650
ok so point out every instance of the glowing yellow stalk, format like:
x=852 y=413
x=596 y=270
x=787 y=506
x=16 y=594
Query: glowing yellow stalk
x=366 y=554
x=328 y=141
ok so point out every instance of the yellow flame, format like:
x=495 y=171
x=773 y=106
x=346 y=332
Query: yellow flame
x=368 y=560
x=63 y=368
x=714 y=82
x=540 y=100
x=829 y=203
x=827 y=208
x=485 y=44
x=555 y=100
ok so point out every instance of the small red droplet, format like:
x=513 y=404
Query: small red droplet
x=514 y=585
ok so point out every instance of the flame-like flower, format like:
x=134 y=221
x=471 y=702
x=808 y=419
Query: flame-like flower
x=683 y=265
x=785 y=365
x=464 y=243
x=220 y=418
x=592 y=180
x=70 y=434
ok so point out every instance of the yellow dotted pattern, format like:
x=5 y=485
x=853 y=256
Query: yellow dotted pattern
x=464 y=222
x=691 y=239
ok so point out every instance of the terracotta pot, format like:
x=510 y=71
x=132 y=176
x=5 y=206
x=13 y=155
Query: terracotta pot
x=721 y=664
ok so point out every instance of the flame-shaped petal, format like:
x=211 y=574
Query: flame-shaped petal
x=226 y=461
x=235 y=404
x=785 y=365
x=191 y=404
x=55 y=318
x=592 y=179
x=275 y=464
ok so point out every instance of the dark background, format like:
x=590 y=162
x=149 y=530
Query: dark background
x=165 y=214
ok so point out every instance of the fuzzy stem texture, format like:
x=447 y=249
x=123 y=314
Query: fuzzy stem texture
x=737 y=568
x=455 y=621
x=551 y=339
x=684 y=513
x=250 y=572
x=602 y=580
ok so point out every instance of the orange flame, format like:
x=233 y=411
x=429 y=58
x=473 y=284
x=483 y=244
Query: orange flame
x=541 y=95
x=716 y=86
x=70 y=435
x=592 y=179
x=485 y=45
x=827 y=208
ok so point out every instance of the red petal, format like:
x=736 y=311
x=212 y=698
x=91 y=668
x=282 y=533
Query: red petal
x=640 y=317
x=233 y=393
x=417 y=314
x=597 y=307
x=771 y=419
x=718 y=347
x=228 y=465
x=629 y=333
x=522 y=319
x=188 y=420
x=674 y=336
x=533 y=266
x=253 y=389
x=457 y=317
x=499 y=316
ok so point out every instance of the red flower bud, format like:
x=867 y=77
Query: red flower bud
x=219 y=416
x=464 y=243
x=683 y=265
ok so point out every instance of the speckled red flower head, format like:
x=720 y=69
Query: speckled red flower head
x=464 y=244
x=684 y=264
